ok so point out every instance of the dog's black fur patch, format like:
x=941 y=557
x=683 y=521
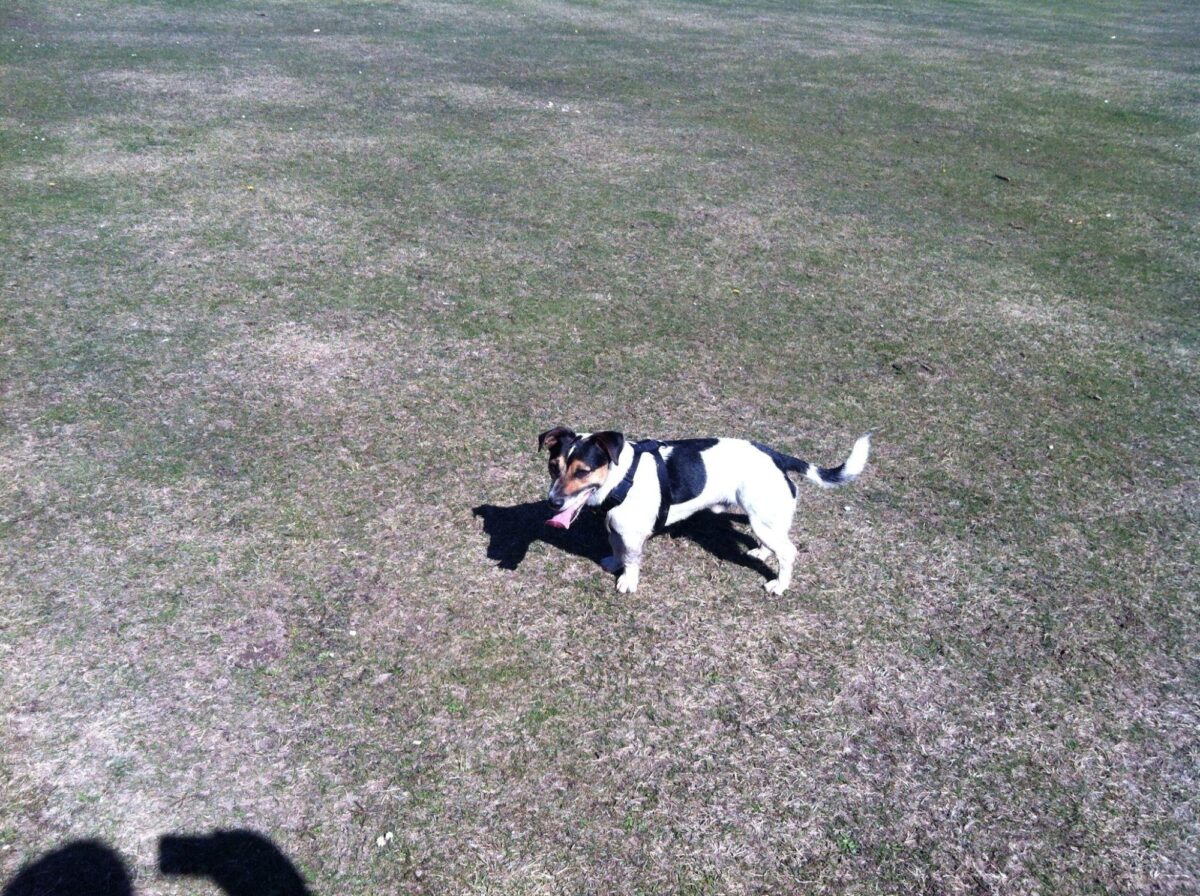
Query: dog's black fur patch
x=685 y=468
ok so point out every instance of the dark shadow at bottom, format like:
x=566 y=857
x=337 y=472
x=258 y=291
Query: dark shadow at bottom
x=83 y=868
x=241 y=863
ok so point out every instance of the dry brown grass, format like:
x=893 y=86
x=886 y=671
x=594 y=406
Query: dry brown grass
x=285 y=309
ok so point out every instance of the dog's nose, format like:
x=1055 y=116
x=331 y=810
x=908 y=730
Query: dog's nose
x=557 y=501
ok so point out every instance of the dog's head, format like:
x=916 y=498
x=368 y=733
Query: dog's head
x=579 y=465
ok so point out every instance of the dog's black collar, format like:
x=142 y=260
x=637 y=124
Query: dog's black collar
x=621 y=489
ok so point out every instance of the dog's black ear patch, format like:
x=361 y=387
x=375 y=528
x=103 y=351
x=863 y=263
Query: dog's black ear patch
x=552 y=438
x=611 y=443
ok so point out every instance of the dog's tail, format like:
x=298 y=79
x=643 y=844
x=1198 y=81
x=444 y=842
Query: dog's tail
x=826 y=477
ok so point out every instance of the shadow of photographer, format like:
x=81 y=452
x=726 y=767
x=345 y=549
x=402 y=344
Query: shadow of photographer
x=82 y=868
x=239 y=862
x=242 y=863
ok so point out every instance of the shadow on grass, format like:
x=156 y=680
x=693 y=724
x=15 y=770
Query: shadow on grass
x=83 y=868
x=717 y=534
x=240 y=863
x=513 y=530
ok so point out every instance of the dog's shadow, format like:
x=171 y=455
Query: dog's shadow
x=512 y=530
x=717 y=534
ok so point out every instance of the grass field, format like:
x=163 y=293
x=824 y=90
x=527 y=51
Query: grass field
x=289 y=289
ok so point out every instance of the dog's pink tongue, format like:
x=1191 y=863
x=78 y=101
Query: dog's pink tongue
x=564 y=519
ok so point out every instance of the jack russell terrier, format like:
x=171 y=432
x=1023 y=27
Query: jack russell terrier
x=643 y=487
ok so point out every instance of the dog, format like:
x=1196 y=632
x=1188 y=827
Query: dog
x=643 y=487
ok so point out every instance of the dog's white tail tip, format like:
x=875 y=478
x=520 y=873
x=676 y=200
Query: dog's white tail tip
x=857 y=461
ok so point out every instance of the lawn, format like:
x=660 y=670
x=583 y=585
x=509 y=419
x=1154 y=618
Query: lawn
x=288 y=291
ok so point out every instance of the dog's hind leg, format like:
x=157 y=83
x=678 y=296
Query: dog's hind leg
x=762 y=552
x=776 y=542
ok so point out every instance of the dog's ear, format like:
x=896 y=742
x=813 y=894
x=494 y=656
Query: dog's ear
x=610 y=443
x=552 y=438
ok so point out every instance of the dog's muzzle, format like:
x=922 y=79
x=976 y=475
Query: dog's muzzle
x=562 y=519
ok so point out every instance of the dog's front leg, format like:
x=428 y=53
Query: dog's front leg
x=626 y=558
x=615 y=561
x=628 y=581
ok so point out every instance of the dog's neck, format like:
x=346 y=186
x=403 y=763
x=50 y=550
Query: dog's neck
x=616 y=473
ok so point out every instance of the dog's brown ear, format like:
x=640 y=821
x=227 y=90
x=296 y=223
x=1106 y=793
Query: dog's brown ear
x=553 y=437
x=610 y=443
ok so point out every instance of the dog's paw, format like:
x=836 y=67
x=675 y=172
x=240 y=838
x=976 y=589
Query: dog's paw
x=776 y=586
x=627 y=584
x=611 y=564
x=760 y=553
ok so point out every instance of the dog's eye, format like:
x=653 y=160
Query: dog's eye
x=580 y=474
